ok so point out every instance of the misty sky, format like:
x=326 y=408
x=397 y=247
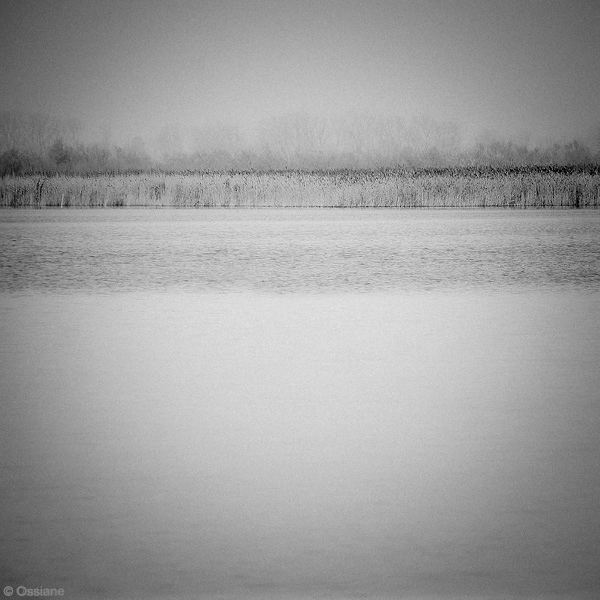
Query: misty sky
x=129 y=67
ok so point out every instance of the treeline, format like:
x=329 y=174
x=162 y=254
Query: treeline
x=39 y=144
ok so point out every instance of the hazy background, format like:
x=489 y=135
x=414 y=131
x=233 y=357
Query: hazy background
x=197 y=76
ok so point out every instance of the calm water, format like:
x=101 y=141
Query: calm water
x=300 y=404
x=283 y=251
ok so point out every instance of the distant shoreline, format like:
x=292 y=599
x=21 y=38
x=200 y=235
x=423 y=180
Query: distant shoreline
x=463 y=187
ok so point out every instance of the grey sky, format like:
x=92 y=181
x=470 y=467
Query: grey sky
x=131 y=67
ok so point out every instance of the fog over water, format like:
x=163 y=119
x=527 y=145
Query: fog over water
x=524 y=70
x=300 y=404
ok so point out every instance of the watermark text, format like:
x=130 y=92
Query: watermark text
x=22 y=591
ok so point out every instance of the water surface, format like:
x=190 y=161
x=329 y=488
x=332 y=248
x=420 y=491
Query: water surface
x=300 y=404
x=283 y=251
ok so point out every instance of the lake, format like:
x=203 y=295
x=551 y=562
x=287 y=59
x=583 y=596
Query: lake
x=300 y=403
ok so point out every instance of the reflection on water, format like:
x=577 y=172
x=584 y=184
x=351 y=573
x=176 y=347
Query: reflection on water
x=437 y=438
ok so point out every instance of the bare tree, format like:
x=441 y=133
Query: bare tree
x=44 y=131
x=169 y=142
x=13 y=131
x=30 y=132
x=297 y=139
x=218 y=137
x=73 y=128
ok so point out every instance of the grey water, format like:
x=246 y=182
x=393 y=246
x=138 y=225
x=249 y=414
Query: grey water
x=300 y=403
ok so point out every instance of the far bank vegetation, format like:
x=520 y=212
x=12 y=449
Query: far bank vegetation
x=296 y=161
x=427 y=188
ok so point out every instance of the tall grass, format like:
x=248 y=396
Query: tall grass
x=341 y=189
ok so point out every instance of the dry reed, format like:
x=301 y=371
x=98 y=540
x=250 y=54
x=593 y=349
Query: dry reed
x=344 y=189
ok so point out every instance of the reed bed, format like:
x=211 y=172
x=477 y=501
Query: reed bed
x=344 y=189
